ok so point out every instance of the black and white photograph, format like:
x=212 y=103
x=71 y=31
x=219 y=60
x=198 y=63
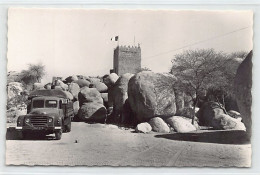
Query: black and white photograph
x=129 y=88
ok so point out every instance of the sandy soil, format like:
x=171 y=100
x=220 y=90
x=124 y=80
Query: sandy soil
x=108 y=145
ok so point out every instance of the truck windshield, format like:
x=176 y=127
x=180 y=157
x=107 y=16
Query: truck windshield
x=38 y=104
x=51 y=104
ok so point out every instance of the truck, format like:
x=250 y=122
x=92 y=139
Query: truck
x=48 y=111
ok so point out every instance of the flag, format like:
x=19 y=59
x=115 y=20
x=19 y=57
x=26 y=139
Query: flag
x=114 y=38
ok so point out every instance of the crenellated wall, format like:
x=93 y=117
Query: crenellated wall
x=127 y=59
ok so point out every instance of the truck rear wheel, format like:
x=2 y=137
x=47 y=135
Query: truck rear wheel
x=68 y=127
x=58 y=134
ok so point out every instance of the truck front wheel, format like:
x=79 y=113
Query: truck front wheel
x=58 y=134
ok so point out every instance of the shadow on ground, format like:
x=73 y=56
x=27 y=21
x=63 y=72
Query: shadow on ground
x=221 y=137
x=12 y=134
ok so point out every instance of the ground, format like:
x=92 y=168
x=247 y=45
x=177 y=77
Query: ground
x=108 y=145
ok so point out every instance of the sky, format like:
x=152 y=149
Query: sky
x=78 y=41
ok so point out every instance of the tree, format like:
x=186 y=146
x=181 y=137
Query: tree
x=220 y=92
x=33 y=74
x=197 y=70
x=238 y=54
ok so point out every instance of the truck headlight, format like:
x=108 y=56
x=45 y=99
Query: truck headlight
x=50 y=120
x=27 y=120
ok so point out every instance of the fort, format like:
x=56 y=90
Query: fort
x=127 y=59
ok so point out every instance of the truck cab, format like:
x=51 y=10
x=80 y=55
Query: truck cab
x=48 y=112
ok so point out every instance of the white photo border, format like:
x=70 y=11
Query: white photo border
x=253 y=5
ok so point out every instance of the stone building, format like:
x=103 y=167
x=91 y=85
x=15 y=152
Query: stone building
x=127 y=59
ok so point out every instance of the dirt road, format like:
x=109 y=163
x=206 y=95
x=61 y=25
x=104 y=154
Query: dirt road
x=101 y=145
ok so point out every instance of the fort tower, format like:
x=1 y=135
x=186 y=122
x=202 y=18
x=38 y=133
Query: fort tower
x=127 y=59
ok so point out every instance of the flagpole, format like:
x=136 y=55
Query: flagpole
x=118 y=41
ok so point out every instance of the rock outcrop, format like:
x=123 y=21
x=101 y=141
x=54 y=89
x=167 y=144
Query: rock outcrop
x=243 y=86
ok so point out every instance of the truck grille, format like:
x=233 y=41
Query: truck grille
x=39 y=120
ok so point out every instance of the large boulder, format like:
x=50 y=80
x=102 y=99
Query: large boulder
x=110 y=79
x=120 y=96
x=71 y=79
x=94 y=80
x=243 y=86
x=76 y=107
x=69 y=95
x=87 y=95
x=48 y=86
x=226 y=122
x=74 y=89
x=92 y=112
x=82 y=83
x=143 y=127
x=182 y=124
x=101 y=87
x=208 y=112
x=235 y=114
x=152 y=94
x=64 y=86
x=82 y=77
x=105 y=99
x=74 y=78
x=158 y=125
